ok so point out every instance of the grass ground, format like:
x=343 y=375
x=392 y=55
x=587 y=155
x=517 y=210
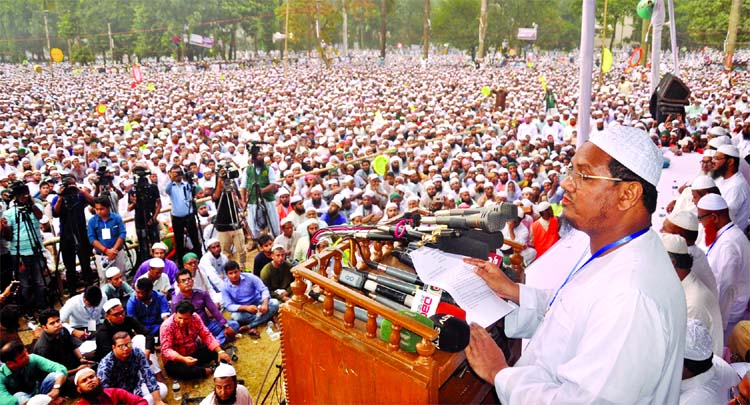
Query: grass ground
x=255 y=358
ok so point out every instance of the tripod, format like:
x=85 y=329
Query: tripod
x=262 y=218
x=144 y=211
x=36 y=263
x=275 y=383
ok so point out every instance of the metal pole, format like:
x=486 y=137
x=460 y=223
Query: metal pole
x=345 y=28
x=673 y=39
x=588 y=32
x=286 y=33
x=657 y=21
x=604 y=45
x=426 y=31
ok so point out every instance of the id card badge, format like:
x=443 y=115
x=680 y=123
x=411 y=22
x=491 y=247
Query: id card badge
x=92 y=325
x=106 y=234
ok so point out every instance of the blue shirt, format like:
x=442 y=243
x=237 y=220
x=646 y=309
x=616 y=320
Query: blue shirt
x=149 y=314
x=338 y=220
x=21 y=240
x=113 y=223
x=250 y=291
x=129 y=375
x=181 y=197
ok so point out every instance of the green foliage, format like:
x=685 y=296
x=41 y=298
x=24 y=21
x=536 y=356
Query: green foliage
x=701 y=23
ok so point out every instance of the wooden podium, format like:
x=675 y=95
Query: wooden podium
x=332 y=358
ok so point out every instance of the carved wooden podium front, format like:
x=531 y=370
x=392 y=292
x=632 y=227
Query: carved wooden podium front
x=332 y=358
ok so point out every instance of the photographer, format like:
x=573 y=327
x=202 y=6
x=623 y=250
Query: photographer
x=20 y=225
x=70 y=205
x=228 y=223
x=145 y=200
x=106 y=233
x=259 y=195
x=105 y=187
x=183 y=212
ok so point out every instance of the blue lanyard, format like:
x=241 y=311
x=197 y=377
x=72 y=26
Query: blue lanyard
x=717 y=239
x=598 y=253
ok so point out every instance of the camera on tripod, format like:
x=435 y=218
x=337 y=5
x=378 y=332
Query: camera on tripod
x=104 y=177
x=226 y=171
x=141 y=178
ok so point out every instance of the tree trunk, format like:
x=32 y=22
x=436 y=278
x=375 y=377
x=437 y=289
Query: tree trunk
x=734 y=21
x=614 y=33
x=383 y=26
x=644 y=42
x=426 y=31
x=482 y=28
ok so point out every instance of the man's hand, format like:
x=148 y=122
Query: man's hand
x=249 y=308
x=497 y=281
x=190 y=361
x=224 y=356
x=485 y=358
x=263 y=308
x=111 y=254
x=229 y=332
x=80 y=334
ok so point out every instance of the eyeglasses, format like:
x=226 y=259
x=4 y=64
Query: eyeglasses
x=700 y=217
x=718 y=158
x=119 y=313
x=584 y=176
x=186 y=280
x=125 y=345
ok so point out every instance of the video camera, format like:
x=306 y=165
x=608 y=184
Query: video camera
x=255 y=148
x=104 y=176
x=227 y=171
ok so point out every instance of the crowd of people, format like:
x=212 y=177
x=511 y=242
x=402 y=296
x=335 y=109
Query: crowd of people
x=230 y=160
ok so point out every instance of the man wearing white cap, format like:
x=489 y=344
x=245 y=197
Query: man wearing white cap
x=706 y=378
x=159 y=251
x=92 y=392
x=159 y=280
x=297 y=214
x=288 y=237
x=618 y=320
x=702 y=304
x=226 y=388
x=728 y=254
x=732 y=184
x=686 y=224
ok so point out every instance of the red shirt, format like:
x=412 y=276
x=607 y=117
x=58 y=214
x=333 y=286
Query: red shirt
x=176 y=340
x=543 y=240
x=115 y=396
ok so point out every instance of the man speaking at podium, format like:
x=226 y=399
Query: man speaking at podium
x=614 y=330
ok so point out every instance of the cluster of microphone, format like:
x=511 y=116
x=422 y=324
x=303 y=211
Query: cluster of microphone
x=405 y=293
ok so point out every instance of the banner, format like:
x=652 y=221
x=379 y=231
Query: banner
x=136 y=72
x=527 y=34
x=199 y=40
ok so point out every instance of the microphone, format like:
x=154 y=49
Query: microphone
x=504 y=208
x=398 y=273
x=453 y=333
x=387 y=233
x=340 y=306
x=382 y=291
x=487 y=221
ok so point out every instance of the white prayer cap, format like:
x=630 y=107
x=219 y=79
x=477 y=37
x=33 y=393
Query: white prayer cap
x=633 y=148
x=211 y=242
x=702 y=183
x=717 y=131
x=697 y=341
x=336 y=201
x=285 y=221
x=282 y=192
x=709 y=153
x=159 y=245
x=712 y=202
x=543 y=206
x=295 y=199
x=674 y=243
x=718 y=141
x=729 y=150
x=111 y=303
x=86 y=370
x=39 y=399
x=156 y=263
x=111 y=272
x=278 y=246
x=684 y=219
x=521 y=214
x=316 y=189
x=224 y=370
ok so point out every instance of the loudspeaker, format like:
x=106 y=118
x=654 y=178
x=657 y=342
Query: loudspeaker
x=670 y=97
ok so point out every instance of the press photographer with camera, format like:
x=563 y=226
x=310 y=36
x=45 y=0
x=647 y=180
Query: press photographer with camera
x=104 y=183
x=145 y=200
x=181 y=194
x=20 y=226
x=70 y=205
x=259 y=194
x=229 y=223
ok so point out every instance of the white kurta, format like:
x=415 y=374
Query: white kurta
x=736 y=193
x=702 y=269
x=615 y=333
x=730 y=261
x=703 y=305
x=711 y=387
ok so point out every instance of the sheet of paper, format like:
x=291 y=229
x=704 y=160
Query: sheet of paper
x=449 y=272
